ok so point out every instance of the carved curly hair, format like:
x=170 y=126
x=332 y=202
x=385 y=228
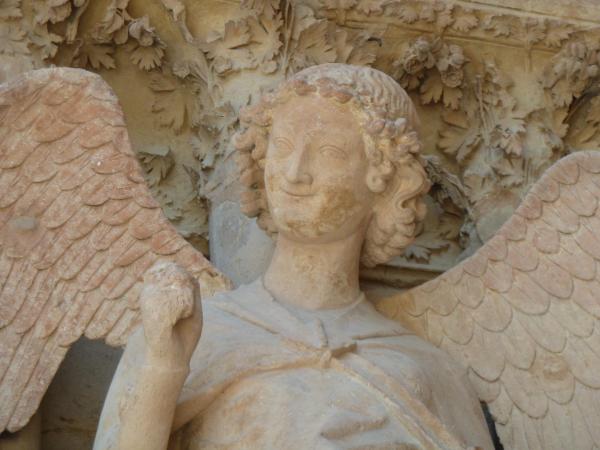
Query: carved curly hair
x=389 y=120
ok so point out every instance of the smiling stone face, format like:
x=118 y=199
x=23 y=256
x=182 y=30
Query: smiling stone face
x=315 y=173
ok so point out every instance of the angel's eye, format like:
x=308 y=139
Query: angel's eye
x=331 y=151
x=283 y=147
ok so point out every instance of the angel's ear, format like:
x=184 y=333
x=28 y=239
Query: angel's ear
x=378 y=176
x=396 y=213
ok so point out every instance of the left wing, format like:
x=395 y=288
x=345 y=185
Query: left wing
x=78 y=229
x=523 y=313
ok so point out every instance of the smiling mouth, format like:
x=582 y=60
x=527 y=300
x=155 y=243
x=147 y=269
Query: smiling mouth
x=297 y=193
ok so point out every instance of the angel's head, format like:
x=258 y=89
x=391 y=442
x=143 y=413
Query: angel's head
x=332 y=150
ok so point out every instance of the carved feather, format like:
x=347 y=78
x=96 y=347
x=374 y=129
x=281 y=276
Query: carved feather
x=78 y=229
x=528 y=329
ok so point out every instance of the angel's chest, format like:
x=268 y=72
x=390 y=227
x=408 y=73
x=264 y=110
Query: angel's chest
x=298 y=408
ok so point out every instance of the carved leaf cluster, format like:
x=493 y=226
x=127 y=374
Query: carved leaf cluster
x=435 y=67
x=94 y=56
x=175 y=103
x=118 y=27
x=571 y=80
x=283 y=36
x=227 y=49
x=486 y=137
x=46 y=41
x=571 y=71
x=55 y=11
x=147 y=49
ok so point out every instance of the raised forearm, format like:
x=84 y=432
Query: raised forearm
x=140 y=404
x=147 y=414
x=139 y=407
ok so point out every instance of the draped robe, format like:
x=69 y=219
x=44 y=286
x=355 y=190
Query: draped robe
x=266 y=375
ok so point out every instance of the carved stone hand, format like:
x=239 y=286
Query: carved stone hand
x=171 y=315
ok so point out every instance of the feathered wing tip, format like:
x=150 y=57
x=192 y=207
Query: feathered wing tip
x=522 y=314
x=78 y=229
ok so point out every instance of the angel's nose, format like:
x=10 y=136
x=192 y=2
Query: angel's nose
x=298 y=168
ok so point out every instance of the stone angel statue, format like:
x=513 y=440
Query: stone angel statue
x=300 y=359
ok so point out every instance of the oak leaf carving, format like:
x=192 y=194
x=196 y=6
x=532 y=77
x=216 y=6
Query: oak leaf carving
x=147 y=49
x=175 y=104
x=510 y=171
x=444 y=18
x=431 y=89
x=312 y=47
x=265 y=41
x=425 y=244
x=460 y=138
x=509 y=132
x=147 y=58
x=353 y=47
x=428 y=12
x=228 y=50
x=435 y=67
x=532 y=31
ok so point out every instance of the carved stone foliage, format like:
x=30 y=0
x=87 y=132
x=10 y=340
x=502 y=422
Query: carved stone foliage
x=182 y=71
x=571 y=82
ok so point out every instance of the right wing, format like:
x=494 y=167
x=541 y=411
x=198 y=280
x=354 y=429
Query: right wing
x=523 y=313
x=78 y=229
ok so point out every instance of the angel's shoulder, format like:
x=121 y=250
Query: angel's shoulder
x=236 y=322
x=415 y=353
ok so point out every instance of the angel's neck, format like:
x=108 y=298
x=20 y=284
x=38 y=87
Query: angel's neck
x=315 y=276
